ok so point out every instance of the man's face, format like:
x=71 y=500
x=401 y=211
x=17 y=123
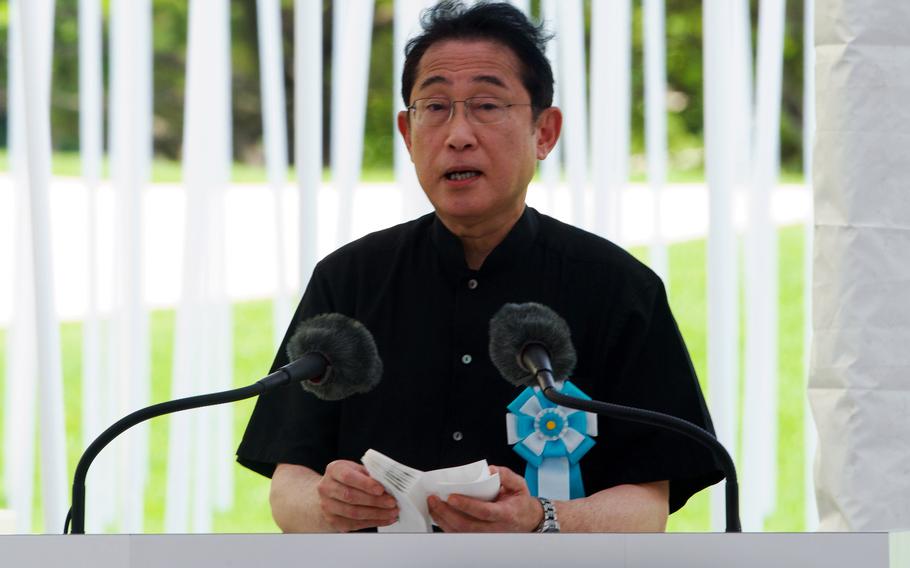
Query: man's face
x=500 y=157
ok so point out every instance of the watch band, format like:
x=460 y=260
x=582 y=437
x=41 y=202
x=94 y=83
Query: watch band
x=549 y=524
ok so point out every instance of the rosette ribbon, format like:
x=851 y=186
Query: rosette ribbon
x=552 y=439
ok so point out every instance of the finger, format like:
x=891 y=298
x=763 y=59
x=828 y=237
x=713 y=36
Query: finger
x=450 y=519
x=354 y=475
x=332 y=489
x=511 y=481
x=489 y=512
x=359 y=513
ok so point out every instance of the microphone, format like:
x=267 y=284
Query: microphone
x=530 y=343
x=332 y=356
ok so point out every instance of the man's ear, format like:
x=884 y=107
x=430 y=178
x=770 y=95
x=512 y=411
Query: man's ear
x=548 y=128
x=404 y=127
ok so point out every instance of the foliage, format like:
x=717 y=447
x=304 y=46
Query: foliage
x=170 y=18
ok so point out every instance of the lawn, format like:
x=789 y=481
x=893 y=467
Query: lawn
x=252 y=329
x=169 y=171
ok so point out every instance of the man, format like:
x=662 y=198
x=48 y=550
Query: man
x=478 y=91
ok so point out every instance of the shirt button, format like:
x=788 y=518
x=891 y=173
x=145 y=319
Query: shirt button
x=466 y=359
x=457 y=436
x=472 y=284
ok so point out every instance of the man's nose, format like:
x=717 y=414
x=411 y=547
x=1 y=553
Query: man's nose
x=461 y=134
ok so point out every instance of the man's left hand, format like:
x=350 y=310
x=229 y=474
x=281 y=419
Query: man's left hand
x=513 y=510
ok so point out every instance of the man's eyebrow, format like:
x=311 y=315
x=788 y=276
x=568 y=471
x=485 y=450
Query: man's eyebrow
x=491 y=79
x=435 y=79
x=439 y=79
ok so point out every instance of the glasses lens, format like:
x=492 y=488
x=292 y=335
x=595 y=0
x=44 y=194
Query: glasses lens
x=486 y=110
x=432 y=112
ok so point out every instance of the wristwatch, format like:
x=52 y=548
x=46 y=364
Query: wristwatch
x=549 y=524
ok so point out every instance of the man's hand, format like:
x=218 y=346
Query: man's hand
x=514 y=509
x=351 y=500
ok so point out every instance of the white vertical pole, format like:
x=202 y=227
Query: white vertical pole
x=723 y=314
x=760 y=429
x=572 y=89
x=91 y=148
x=36 y=21
x=352 y=24
x=611 y=84
x=202 y=342
x=271 y=81
x=740 y=82
x=308 y=126
x=407 y=24
x=551 y=166
x=656 y=125
x=22 y=359
x=810 y=436
x=131 y=109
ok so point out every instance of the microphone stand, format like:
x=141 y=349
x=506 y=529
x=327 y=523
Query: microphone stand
x=308 y=366
x=544 y=377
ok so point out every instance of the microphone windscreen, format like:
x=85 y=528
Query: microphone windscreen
x=517 y=325
x=354 y=365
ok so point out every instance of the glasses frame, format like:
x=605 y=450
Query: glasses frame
x=469 y=115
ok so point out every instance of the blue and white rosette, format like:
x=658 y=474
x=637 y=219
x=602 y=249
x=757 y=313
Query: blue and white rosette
x=552 y=439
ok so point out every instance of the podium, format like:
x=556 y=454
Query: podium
x=701 y=550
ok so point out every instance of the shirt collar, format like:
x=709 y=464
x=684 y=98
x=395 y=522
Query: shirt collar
x=519 y=238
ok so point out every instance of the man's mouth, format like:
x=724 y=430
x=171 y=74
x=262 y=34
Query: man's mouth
x=461 y=175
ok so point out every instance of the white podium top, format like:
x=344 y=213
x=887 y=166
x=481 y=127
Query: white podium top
x=758 y=550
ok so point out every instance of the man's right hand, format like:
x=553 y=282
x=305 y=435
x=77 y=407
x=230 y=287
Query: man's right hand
x=352 y=500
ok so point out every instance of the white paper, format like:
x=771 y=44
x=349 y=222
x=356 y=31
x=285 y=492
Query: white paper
x=412 y=487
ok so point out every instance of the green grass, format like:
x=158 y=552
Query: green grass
x=169 y=171
x=253 y=354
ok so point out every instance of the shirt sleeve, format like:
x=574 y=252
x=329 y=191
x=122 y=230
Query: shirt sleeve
x=655 y=372
x=290 y=425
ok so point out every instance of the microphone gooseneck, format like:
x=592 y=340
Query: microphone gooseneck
x=525 y=342
x=331 y=355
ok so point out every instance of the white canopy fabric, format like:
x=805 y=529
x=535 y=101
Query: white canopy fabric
x=859 y=384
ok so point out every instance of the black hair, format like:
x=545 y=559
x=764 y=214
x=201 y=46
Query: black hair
x=499 y=22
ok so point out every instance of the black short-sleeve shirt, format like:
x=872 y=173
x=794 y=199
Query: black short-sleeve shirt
x=441 y=402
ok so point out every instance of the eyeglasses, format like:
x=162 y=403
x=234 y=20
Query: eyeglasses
x=436 y=111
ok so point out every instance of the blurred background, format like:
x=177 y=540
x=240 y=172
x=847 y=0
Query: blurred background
x=201 y=155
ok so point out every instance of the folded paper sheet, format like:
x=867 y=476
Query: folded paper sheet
x=411 y=487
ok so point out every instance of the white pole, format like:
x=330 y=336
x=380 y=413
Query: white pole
x=91 y=149
x=407 y=25
x=21 y=359
x=308 y=126
x=131 y=110
x=760 y=428
x=810 y=436
x=35 y=20
x=271 y=81
x=352 y=24
x=551 y=166
x=656 y=125
x=572 y=90
x=723 y=304
x=202 y=342
x=611 y=84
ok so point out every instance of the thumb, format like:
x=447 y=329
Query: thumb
x=509 y=480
